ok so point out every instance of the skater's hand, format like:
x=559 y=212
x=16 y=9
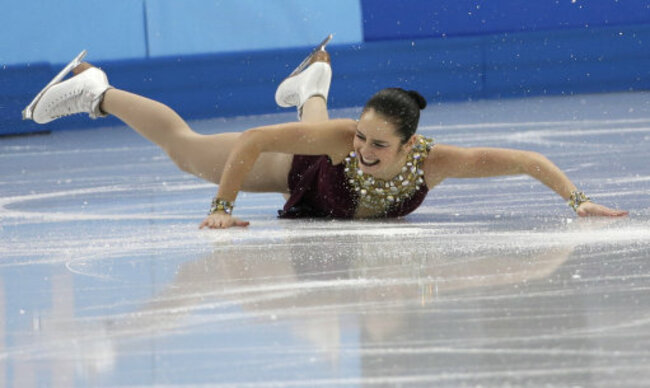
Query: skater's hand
x=587 y=209
x=221 y=221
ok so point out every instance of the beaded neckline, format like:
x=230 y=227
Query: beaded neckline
x=379 y=194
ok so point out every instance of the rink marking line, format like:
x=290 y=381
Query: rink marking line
x=512 y=374
x=155 y=187
x=74 y=151
x=84 y=216
x=541 y=137
x=559 y=123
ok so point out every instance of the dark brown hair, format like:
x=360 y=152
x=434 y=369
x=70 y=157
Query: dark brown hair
x=400 y=107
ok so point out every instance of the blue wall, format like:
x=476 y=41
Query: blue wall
x=408 y=19
x=55 y=31
x=199 y=26
x=225 y=57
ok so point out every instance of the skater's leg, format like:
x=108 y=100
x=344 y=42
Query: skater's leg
x=88 y=91
x=204 y=156
x=314 y=110
x=306 y=83
x=151 y=119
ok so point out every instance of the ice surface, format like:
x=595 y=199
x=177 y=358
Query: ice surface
x=105 y=279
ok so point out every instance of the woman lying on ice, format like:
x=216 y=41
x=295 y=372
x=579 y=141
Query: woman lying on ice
x=376 y=166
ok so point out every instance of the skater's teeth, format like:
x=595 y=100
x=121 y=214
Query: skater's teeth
x=369 y=162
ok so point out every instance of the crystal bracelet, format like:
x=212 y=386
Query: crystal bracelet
x=221 y=205
x=576 y=199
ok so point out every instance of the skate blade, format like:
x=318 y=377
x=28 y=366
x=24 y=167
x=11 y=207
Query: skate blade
x=305 y=61
x=29 y=109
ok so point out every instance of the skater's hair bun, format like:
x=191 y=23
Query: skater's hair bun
x=422 y=103
x=401 y=107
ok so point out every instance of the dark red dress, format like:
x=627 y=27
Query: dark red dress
x=319 y=189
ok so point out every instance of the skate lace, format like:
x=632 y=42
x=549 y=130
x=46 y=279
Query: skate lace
x=68 y=104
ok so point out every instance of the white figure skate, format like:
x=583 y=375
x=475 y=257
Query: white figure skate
x=81 y=93
x=311 y=78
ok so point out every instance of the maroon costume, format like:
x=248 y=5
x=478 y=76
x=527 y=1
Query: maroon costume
x=319 y=189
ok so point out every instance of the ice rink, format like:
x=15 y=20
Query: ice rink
x=105 y=279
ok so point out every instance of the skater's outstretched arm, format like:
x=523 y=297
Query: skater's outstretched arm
x=457 y=162
x=332 y=138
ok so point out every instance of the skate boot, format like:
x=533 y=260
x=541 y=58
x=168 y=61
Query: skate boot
x=311 y=78
x=81 y=93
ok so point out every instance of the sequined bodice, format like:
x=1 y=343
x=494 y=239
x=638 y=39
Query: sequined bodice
x=380 y=194
x=320 y=189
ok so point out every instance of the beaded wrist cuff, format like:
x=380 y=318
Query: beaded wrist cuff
x=576 y=199
x=220 y=205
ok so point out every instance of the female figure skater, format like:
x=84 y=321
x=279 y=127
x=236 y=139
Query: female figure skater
x=374 y=167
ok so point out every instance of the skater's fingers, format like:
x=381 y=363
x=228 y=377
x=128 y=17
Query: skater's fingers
x=222 y=221
x=241 y=223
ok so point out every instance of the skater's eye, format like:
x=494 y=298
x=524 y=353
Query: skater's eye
x=378 y=144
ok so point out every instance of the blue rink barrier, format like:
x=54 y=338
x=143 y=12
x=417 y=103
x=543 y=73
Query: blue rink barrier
x=560 y=62
x=413 y=19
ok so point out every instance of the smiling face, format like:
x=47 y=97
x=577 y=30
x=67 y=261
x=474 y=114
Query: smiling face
x=378 y=146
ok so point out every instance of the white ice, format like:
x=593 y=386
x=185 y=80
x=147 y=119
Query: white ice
x=105 y=279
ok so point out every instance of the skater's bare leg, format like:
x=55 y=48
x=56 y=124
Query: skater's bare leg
x=314 y=110
x=201 y=155
x=151 y=119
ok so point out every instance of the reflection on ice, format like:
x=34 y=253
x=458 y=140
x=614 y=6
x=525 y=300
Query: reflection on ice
x=393 y=310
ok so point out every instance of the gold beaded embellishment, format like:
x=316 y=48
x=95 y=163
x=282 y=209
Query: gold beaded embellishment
x=378 y=194
x=576 y=199
x=221 y=205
